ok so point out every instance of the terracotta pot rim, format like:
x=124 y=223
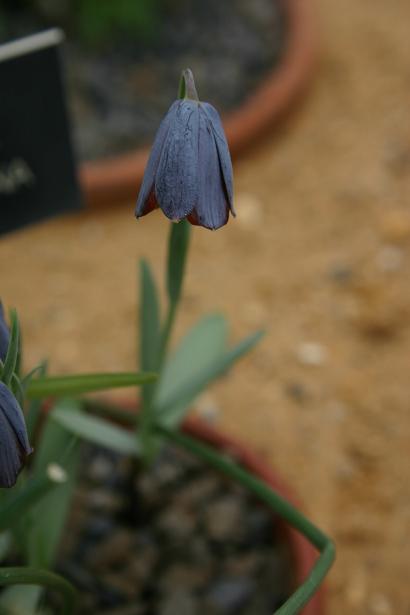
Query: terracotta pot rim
x=303 y=554
x=110 y=181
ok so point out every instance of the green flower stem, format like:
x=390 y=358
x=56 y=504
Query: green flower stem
x=34 y=576
x=178 y=246
x=166 y=331
x=58 y=386
x=187 y=87
x=326 y=547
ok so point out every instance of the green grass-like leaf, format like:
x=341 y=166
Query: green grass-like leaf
x=10 y=361
x=96 y=430
x=66 y=386
x=170 y=410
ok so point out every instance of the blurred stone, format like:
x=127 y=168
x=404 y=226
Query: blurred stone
x=113 y=551
x=311 y=353
x=124 y=584
x=176 y=523
x=395 y=226
x=184 y=576
x=100 y=468
x=297 y=391
x=249 y=210
x=224 y=519
x=380 y=310
x=129 y=609
x=199 y=491
x=103 y=500
x=229 y=595
x=397 y=158
x=207 y=408
x=179 y=603
x=340 y=273
x=390 y=258
x=356 y=589
x=380 y=605
x=245 y=564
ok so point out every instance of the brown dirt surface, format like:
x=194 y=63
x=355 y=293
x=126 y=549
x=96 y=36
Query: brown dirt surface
x=320 y=256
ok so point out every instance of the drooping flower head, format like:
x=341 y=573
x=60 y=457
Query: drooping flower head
x=14 y=444
x=4 y=335
x=189 y=171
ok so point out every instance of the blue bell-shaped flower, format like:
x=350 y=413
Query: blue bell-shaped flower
x=189 y=172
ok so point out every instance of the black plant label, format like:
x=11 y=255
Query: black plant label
x=37 y=170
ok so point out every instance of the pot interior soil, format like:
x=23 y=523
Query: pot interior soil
x=118 y=92
x=177 y=539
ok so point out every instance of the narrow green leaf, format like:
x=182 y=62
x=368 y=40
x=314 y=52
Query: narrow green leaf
x=6 y=543
x=25 y=497
x=201 y=347
x=17 y=388
x=33 y=576
x=10 y=361
x=96 y=430
x=59 y=386
x=34 y=407
x=20 y=600
x=40 y=369
x=177 y=253
x=173 y=409
x=45 y=522
x=150 y=327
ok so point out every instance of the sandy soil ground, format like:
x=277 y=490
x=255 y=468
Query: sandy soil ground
x=320 y=257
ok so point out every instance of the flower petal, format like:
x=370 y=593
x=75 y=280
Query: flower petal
x=223 y=151
x=176 y=180
x=144 y=203
x=14 y=444
x=212 y=208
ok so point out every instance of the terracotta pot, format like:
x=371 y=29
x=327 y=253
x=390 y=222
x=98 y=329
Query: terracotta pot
x=303 y=554
x=113 y=180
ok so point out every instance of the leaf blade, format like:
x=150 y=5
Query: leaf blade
x=85 y=383
x=97 y=430
x=171 y=412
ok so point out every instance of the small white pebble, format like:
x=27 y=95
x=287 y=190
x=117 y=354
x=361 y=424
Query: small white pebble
x=311 y=353
x=249 y=209
x=207 y=409
x=390 y=258
x=379 y=605
x=56 y=473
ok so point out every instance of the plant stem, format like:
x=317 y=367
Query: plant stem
x=187 y=87
x=59 y=386
x=34 y=576
x=166 y=333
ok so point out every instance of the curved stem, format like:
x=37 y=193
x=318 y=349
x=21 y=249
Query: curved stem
x=323 y=543
x=326 y=547
x=34 y=576
x=187 y=87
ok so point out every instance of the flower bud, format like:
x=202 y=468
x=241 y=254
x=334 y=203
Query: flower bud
x=14 y=444
x=189 y=172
